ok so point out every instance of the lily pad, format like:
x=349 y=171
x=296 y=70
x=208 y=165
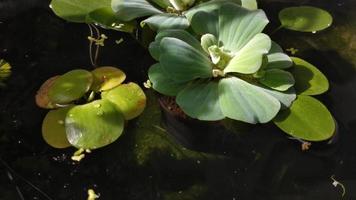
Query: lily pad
x=94 y=125
x=106 y=78
x=53 y=128
x=70 y=86
x=307 y=119
x=305 y=18
x=308 y=79
x=42 y=99
x=129 y=99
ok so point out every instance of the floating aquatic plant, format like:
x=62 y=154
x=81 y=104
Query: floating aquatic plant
x=80 y=118
x=163 y=14
x=237 y=72
x=5 y=71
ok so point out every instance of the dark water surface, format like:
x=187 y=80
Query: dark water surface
x=147 y=162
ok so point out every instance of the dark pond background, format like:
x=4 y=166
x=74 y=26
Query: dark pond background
x=147 y=162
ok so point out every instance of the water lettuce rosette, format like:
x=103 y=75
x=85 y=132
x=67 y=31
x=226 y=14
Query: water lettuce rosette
x=234 y=71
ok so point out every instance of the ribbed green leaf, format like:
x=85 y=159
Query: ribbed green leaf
x=249 y=4
x=162 y=83
x=167 y=21
x=205 y=22
x=285 y=98
x=130 y=9
x=207 y=41
x=200 y=100
x=182 y=61
x=249 y=59
x=245 y=102
x=277 y=79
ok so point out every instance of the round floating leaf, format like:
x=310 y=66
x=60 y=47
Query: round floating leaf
x=308 y=79
x=42 y=99
x=53 y=129
x=70 y=86
x=129 y=99
x=307 y=119
x=106 y=78
x=305 y=18
x=77 y=10
x=94 y=125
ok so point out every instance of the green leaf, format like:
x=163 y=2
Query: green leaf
x=5 y=70
x=200 y=100
x=249 y=4
x=208 y=7
x=42 y=98
x=53 y=129
x=248 y=60
x=183 y=35
x=94 y=125
x=77 y=10
x=205 y=22
x=307 y=119
x=207 y=41
x=235 y=34
x=162 y=83
x=182 y=61
x=308 y=79
x=70 y=86
x=162 y=3
x=166 y=21
x=279 y=61
x=277 y=79
x=285 y=98
x=242 y=101
x=305 y=18
x=128 y=10
x=108 y=19
x=106 y=78
x=129 y=99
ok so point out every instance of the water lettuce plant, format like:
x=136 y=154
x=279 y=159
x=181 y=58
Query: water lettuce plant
x=89 y=108
x=235 y=71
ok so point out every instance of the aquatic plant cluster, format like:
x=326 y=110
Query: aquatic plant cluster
x=212 y=57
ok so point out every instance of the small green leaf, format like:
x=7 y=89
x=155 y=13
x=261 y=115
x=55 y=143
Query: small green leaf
x=77 y=10
x=128 y=10
x=162 y=83
x=166 y=21
x=249 y=4
x=70 y=86
x=306 y=119
x=305 y=18
x=5 y=69
x=129 y=99
x=285 y=98
x=200 y=100
x=208 y=40
x=53 y=129
x=277 y=79
x=94 y=125
x=245 y=102
x=182 y=61
x=42 y=99
x=308 y=79
x=106 y=78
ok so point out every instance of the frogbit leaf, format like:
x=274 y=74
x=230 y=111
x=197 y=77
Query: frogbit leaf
x=162 y=83
x=245 y=102
x=166 y=21
x=277 y=79
x=182 y=61
x=305 y=19
x=248 y=60
x=106 y=78
x=207 y=94
x=94 y=125
x=53 y=130
x=308 y=79
x=128 y=10
x=306 y=119
x=70 y=86
x=42 y=99
x=129 y=99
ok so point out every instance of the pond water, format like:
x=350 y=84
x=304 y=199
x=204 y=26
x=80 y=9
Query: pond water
x=158 y=157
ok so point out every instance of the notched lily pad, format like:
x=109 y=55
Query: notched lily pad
x=42 y=99
x=305 y=18
x=53 y=128
x=128 y=98
x=308 y=79
x=307 y=119
x=70 y=86
x=106 y=78
x=94 y=125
